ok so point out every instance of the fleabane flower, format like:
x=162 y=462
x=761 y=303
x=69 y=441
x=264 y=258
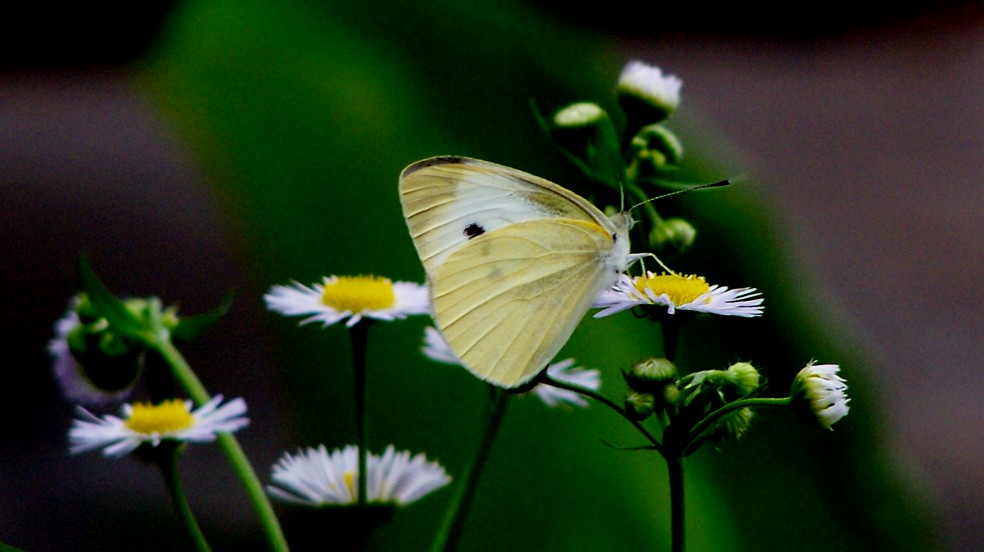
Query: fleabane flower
x=677 y=292
x=648 y=85
x=436 y=348
x=104 y=379
x=145 y=423
x=315 y=477
x=822 y=392
x=351 y=297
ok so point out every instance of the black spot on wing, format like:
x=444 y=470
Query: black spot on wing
x=473 y=230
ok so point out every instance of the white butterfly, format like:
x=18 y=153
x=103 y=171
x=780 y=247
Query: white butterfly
x=514 y=261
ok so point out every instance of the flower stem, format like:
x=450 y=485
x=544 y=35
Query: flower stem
x=696 y=432
x=233 y=451
x=169 y=469
x=454 y=521
x=359 y=337
x=674 y=465
x=546 y=379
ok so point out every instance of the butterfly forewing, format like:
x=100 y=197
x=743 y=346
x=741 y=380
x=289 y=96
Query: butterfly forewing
x=449 y=200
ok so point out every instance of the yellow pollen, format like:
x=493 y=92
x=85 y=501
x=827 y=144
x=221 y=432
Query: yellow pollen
x=172 y=415
x=349 y=477
x=680 y=289
x=359 y=293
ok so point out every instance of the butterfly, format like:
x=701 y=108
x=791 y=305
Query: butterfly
x=514 y=261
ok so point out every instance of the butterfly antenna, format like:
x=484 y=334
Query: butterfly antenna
x=719 y=184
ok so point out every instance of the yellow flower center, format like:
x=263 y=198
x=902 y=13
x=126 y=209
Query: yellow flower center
x=680 y=289
x=172 y=415
x=359 y=293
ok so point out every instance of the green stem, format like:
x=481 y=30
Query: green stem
x=454 y=521
x=671 y=333
x=169 y=469
x=546 y=379
x=697 y=431
x=233 y=451
x=359 y=337
x=674 y=467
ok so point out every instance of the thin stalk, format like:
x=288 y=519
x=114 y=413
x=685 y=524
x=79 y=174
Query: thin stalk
x=230 y=446
x=546 y=379
x=169 y=469
x=674 y=467
x=697 y=431
x=359 y=337
x=454 y=521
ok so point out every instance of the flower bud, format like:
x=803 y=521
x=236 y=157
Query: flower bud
x=733 y=425
x=585 y=131
x=675 y=232
x=639 y=406
x=646 y=95
x=745 y=377
x=655 y=147
x=651 y=375
x=820 y=394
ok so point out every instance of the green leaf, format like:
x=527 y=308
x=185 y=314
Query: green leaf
x=190 y=327
x=110 y=307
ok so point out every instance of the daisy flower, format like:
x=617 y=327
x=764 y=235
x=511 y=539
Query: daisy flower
x=436 y=348
x=822 y=392
x=648 y=84
x=676 y=292
x=351 y=297
x=110 y=384
x=144 y=423
x=315 y=477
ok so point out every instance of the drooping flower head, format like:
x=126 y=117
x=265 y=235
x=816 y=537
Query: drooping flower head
x=145 y=423
x=436 y=348
x=109 y=365
x=314 y=477
x=821 y=392
x=674 y=292
x=349 y=297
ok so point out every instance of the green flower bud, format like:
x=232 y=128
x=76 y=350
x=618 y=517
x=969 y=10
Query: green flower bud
x=639 y=406
x=733 y=425
x=580 y=115
x=745 y=377
x=651 y=375
x=656 y=146
x=675 y=232
x=586 y=133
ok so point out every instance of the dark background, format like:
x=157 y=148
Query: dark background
x=192 y=148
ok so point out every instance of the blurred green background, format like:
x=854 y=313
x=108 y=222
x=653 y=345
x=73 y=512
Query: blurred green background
x=299 y=117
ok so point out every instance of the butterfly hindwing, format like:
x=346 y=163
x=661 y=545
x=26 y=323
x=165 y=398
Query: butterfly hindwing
x=509 y=300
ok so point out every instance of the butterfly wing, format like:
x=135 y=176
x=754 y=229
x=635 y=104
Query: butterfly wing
x=514 y=261
x=448 y=201
x=508 y=300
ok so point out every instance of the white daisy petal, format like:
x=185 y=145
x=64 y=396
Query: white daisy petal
x=820 y=389
x=626 y=294
x=172 y=420
x=563 y=371
x=349 y=298
x=70 y=375
x=436 y=348
x=314 y=477
x=648 y=83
